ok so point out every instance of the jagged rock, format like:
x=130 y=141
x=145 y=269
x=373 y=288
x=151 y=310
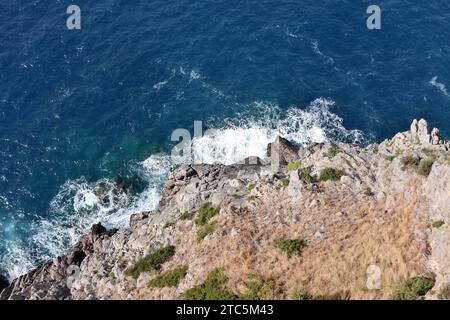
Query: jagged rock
x=435 y=137
x=285 y=150
x=3 y=282
x=422 y=132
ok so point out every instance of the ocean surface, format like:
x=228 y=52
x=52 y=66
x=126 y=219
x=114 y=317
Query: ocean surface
x=83 y=110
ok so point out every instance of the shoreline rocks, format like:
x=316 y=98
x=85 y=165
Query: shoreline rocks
x=353 y=206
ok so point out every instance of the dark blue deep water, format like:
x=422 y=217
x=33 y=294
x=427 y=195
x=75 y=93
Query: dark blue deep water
x=80 y=109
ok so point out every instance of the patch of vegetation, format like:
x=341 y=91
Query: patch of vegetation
x=368 y=192
x=425 y=166
x=205 y=230
x=285 y=182
x=295 y=165
x=169 y=224
x=305 y=176
x=301 y=296
x=251 y=186
x=259 y=288
x=169 y=279
x=205 y=213
x=212 y=289
x=444 y=293
x=410 y=162
x=333 y=151
x=429 y=152
x=331 y=174
x=438 y=224
x=292 y=247
x=390 y=157
x=251 y=198
x=413 y=288
x=151 y=262
x=187 y=215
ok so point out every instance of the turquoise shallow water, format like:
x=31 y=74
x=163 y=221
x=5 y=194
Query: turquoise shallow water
x=78 y=108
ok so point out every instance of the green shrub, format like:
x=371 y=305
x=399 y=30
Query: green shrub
x=292 y=247
x=187 y=215
x=151 y=262
x=301 y=296
x=333 y=151
x=205 y=230
x=259 y=288
x=425 y=167
x=390 y=157
x=413 y=288
x=285 y=182
x=438 y=224
x=410 y=162
x=205 y=213
x=169 y=279
x=251 y=198
x=212 y=289
x=429 y=152
x=331 y=174
x=305 y=176
x=251 y=186
x=295 y=165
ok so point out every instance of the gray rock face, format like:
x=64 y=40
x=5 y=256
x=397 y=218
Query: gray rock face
x=3 y=282
x=283 y=150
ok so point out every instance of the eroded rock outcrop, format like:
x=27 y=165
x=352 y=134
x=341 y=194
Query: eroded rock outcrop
x=384 y=207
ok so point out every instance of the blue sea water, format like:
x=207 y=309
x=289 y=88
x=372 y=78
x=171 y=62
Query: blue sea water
x=81 y=108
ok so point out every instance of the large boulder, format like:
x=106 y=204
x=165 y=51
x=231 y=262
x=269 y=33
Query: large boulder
x=286 y=151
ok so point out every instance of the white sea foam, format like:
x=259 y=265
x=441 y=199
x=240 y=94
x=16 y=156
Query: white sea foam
x=78 y=205
x=442 y=87
x=247 y=135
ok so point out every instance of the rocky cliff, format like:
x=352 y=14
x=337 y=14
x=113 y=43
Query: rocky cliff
x=334 y=221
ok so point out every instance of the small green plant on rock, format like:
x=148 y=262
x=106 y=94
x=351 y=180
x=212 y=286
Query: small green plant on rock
x=285 y=182
x=425 y=167
x=251 y=186
x=205 y=213
x=259 y=288
x=292 y=247
x=212 y=289
x=333 y=151
x=301 y=296
x=390 y=157
x=151 y=262
x=413 y=288
x=169 y=224
x=169 y=279
x=205 y=230
x=305 y=176
x=437 y=224
x=186 y=215
x=331 y=174
x=410 y=162
x=429 y=152
x=295 y=165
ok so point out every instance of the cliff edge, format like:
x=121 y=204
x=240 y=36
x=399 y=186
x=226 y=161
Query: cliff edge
x=334 y=221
